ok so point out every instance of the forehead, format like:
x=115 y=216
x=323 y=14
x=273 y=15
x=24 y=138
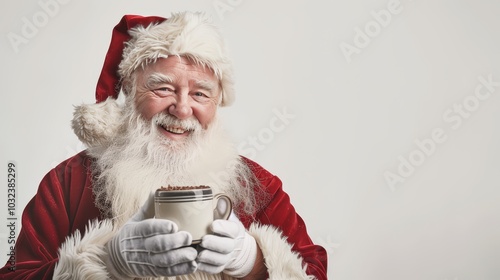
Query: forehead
x=178 y=67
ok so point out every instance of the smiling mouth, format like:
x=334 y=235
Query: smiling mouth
x=174 y=129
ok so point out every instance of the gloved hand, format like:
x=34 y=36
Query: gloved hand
x=229 y=249
x=147 y=247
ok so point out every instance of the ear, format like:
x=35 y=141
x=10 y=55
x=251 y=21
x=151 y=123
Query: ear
x=96 y=124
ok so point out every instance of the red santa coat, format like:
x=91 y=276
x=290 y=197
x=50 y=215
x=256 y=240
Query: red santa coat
x=63 y=234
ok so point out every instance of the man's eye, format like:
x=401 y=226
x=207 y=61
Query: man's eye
x=200 y=96
x=163 y=91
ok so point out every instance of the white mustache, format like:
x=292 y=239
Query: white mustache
x=167 y=120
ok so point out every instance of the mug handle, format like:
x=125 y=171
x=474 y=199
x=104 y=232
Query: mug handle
x=229 y=207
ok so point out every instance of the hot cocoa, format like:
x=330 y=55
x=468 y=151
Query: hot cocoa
x=182 y=188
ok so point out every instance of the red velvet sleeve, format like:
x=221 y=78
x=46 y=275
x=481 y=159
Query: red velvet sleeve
x=280 y=213
x=47 y=220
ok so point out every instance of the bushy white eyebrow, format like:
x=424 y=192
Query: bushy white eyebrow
x=206 y=85
x=156 y=79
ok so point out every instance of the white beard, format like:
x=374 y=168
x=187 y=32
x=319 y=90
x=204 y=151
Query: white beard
x=140 y=160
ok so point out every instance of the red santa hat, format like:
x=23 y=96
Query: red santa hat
x=138 y=41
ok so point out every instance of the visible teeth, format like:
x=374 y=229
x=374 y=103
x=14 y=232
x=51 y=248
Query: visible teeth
x=176 y=130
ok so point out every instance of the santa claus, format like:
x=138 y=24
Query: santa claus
x=155 y=123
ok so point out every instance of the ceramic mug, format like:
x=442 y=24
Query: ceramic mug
x=193 y=209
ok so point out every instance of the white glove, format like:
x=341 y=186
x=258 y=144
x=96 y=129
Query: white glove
x=146 y=247
x=229 y=249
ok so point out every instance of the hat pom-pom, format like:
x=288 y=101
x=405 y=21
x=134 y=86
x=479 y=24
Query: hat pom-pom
x=96 y=124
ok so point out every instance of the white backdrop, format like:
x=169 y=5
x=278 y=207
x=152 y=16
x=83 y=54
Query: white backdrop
x=379 y=116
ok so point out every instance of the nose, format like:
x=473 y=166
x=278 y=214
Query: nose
x=181 y=108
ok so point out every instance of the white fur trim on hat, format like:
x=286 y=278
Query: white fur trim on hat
x=183 y=34
x=95 y=124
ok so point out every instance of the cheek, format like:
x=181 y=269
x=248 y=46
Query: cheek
x=205 y=115
x=148 y=107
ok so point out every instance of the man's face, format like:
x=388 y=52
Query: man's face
x=175 y=86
